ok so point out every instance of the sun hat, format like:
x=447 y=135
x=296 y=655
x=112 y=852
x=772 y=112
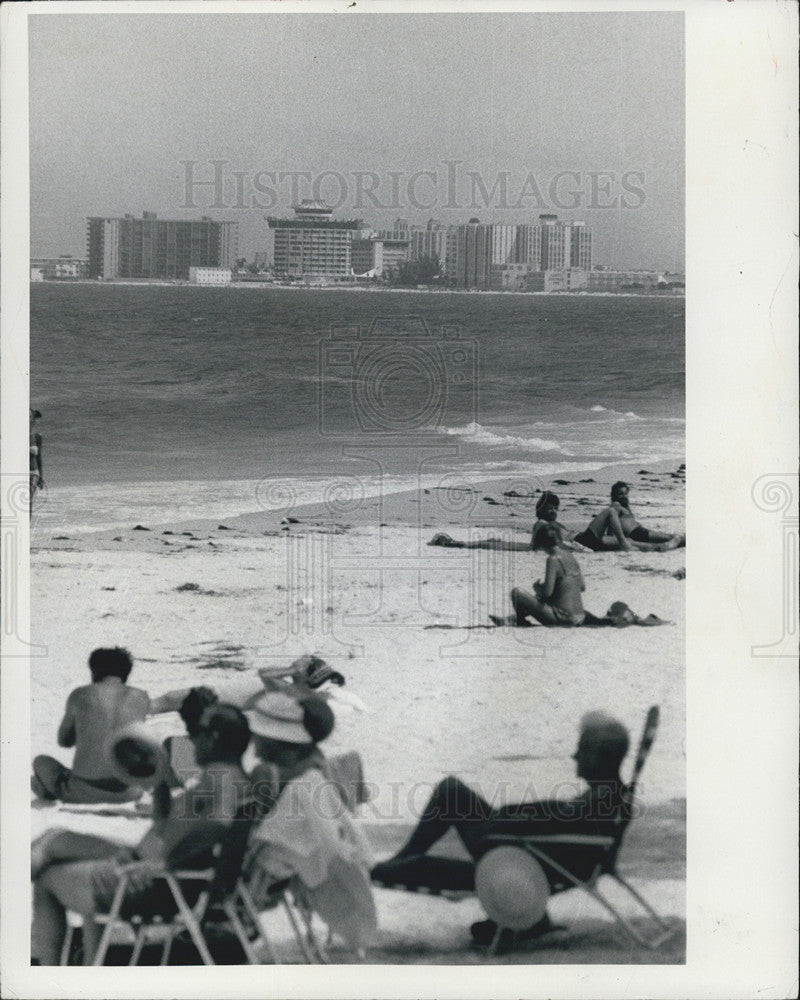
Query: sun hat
x=278 y=716
x=512 y=887
x=135 y=754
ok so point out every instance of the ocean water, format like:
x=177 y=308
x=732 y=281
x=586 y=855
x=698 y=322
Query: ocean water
x=205 y=401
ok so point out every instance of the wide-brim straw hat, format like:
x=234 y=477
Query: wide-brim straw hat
x=277 y=716
x=512 y=887
x=135 y=754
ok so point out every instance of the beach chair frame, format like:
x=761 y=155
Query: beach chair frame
x=607 y=848
x=260 y=893
x=219 y=895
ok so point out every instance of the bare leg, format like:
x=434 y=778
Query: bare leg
x=49 y=775
x=58 y=845
x=608 y=519
x=498 y=544
x=527 y=604
x=60 y=888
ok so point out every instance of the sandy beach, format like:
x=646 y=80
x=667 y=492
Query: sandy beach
x=354 y=581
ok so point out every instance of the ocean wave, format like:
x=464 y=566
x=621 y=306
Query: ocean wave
x=615 y=413
x=483 y=435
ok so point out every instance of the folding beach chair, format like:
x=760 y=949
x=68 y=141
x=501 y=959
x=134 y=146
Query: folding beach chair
x=183 y=902
x=569 y=861
x=258 y=894
x=531 y=868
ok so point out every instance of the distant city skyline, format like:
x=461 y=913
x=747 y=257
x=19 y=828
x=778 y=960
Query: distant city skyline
x=501 y=116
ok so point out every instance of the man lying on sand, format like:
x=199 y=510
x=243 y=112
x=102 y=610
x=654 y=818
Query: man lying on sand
x=615 y=528
x=602 y=746
x=80 y=872
x=92 y=713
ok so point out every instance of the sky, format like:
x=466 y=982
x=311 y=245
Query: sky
x=495 y=116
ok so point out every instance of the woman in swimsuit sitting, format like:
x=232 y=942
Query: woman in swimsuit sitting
x=557 y=601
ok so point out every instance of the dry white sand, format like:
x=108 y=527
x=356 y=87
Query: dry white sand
x=498 y=706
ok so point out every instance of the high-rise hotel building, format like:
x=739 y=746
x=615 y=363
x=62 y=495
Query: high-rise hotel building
x=564 y=244
x=478 y=252
x=157 y=248
x=313 y=243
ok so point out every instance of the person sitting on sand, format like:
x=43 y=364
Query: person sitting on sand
x=615 y=529
x=602 y=746
x=557 y=601
x=80 y=872
x=36 y=479
x=92 y=713
x=307 y=832
x=547 y=514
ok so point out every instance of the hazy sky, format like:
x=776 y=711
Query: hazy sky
x=117 y=102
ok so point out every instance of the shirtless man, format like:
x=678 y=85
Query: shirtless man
x=92 y=713
x=615 y=528
x=35 y=456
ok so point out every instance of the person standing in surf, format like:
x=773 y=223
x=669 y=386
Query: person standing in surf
x=36 y=479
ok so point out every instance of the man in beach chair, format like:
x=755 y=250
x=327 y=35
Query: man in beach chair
x=515 y=878
x=616 y=529
x=81 y=873
x=92 y=713
x=598 y=811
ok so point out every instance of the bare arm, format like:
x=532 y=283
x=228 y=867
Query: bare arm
x=66 y=731
x=616 y=528
x=169 y=702
x=550 y=578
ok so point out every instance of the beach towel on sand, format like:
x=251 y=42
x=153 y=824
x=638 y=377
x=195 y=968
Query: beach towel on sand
x=619 y=615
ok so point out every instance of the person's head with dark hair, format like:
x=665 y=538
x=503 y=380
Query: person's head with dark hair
x=194 y=704
x=602 y=747
x=221 y=735
x=318 y=718
x=547 y=506
x=619 y=493
x=114 y=662
x=34 y=415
